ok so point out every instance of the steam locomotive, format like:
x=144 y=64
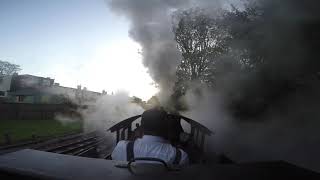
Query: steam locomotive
x=34 y=164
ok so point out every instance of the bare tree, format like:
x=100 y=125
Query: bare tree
x=216 y=47
x=200 y=41
x=256 y=57
x=7 y=68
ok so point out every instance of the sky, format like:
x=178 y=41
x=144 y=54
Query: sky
x=75 y=42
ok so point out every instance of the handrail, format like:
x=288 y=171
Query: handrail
x=198 y=131
x=123 y=123
x=193 y=122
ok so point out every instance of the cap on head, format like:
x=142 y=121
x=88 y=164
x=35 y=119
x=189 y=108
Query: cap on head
x=154 y=122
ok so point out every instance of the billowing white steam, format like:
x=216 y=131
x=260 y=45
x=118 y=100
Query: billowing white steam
x=287 y=131
x=109 y=110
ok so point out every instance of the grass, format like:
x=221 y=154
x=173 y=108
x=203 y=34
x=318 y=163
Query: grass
x=21 y=130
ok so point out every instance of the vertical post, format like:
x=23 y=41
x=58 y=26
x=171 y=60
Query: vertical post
x=7 y=138
x=202 y=141
x=41 y=115
x=129 y=131
x=34 y=137
x=192 y=131
x=17 y=112
x=197 y=136
x=118 y=135
x=123 y=134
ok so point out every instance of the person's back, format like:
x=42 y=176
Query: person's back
x=153 y=144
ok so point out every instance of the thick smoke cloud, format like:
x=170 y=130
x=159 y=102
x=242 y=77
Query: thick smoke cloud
x=103 y=112
x=286 y=128
x=283 y=92
x=151 y=27
x=287 y=131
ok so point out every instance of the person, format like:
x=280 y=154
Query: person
x=154 y=142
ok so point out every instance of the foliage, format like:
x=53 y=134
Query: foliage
x=7 y=68
x=199 y=42
x=211 y=47
x=206 y=41
x=139 y=102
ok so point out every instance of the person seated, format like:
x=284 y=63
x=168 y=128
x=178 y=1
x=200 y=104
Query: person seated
x=154 y=142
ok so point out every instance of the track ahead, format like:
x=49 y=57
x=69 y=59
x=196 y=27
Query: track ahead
x=74 y=144
x=77 y=146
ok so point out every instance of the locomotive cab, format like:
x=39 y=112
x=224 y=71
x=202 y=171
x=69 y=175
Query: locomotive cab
x=192 y=141
x=34 y=164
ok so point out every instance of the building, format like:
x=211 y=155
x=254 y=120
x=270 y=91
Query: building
x=41 y=90
x=5 y=85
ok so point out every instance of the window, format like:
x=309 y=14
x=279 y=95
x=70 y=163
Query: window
x=20 y=98
x=46 y=82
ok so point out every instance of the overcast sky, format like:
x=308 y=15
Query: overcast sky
x=74 y=42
